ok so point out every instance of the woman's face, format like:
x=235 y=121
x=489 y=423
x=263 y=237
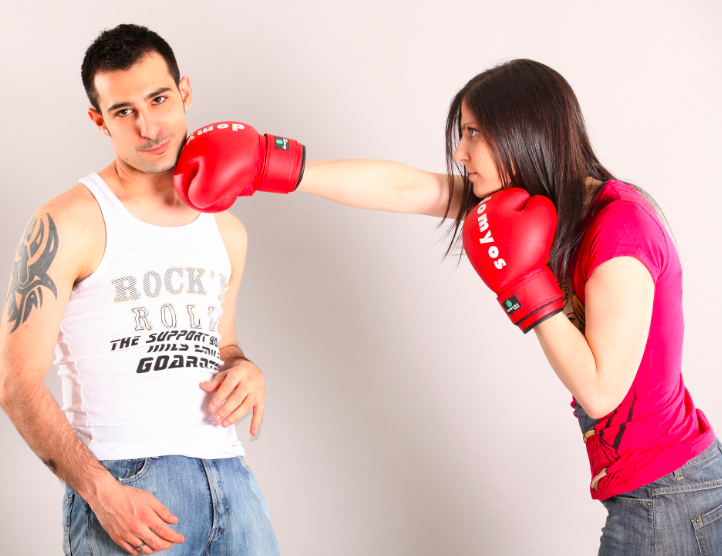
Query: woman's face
x=474 y=153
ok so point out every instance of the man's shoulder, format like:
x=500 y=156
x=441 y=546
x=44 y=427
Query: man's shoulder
x=230 y=227
x=76 y=215
x=235 y=237
x=72 y=205
x=226 y=219
x=71 y=231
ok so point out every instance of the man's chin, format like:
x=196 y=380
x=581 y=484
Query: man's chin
x=160 y=169
x=155 y=168
x=166 y=162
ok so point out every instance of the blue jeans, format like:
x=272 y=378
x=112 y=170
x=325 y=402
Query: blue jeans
x=219 y=507
x=679 y=514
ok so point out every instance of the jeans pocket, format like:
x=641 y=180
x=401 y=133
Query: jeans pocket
x=708 y=530
x=67 y=512
x=243 y=463
x=128 y=471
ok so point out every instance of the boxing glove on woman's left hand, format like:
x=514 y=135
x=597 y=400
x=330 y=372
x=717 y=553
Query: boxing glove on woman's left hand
x=508 y=237
x=225 y=160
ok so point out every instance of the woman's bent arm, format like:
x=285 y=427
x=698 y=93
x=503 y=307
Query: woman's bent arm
x=599 y=367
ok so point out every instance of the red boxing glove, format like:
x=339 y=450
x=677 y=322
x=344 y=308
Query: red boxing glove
x=226 y=160
x=508 y=240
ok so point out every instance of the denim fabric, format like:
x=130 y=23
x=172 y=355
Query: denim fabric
x=677 y=515
x=219 y=507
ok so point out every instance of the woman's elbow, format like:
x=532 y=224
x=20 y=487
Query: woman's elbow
x=598 y=407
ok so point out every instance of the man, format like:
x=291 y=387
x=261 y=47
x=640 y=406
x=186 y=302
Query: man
x=130 y=284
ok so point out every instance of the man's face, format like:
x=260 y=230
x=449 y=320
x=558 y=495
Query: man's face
x=143 y=111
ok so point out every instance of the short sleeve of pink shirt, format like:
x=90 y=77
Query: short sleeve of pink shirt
x=626 y=228
x=656 y=428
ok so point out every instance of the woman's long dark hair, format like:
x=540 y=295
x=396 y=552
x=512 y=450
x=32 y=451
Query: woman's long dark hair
x=531 y=119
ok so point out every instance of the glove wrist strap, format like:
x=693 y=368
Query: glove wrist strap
x=283 y=166
x=532 y=298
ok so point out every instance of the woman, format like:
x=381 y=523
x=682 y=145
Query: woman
x=614 y=339
x=655 y=463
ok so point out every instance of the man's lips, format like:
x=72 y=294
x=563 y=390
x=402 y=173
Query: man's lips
x=159 y=149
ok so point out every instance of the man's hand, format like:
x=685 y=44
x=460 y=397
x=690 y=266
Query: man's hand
x=241 y=386
x=133 y=517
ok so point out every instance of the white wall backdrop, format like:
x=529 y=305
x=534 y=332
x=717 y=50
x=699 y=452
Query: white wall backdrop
x=405 y=416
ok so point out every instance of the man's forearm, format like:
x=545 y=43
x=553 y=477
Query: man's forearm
x=230 y=355
x=42 y=424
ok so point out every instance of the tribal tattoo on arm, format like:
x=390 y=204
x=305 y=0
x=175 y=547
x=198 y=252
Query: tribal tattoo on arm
x=36 y=252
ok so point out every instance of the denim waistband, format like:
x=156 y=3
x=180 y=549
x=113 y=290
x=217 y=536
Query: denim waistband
x=709 y=453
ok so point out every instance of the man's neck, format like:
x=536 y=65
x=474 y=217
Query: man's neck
x=148 y=197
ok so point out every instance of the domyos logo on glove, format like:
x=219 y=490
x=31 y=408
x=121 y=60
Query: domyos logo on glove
x=234 y=127
x=483 y=222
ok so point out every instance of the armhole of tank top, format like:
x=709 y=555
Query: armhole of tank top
x=212 y=223
x=105 y=211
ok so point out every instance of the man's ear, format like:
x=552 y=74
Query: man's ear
x=94 y=115
x=184 y=86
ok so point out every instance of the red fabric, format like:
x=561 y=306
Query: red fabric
x=656 y=428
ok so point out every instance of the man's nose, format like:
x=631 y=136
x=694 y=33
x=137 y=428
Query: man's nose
x=148 y=126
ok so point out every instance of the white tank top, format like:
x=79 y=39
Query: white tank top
x=140 y=334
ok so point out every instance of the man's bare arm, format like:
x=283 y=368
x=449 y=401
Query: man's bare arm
x=40 y=421
x=36 y=298
x=231 y=355
x=239 y=386
x=61 y=245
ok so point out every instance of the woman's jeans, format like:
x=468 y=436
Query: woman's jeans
x=219 y=507
x=677 y=515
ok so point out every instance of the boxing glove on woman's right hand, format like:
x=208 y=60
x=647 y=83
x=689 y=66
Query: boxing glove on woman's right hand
x=225 y=160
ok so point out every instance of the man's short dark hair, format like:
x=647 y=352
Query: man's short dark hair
x=120 y=48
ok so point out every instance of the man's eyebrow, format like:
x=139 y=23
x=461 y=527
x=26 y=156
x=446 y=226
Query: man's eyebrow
x=147 y=97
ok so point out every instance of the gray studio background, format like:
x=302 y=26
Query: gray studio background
x=405 y=415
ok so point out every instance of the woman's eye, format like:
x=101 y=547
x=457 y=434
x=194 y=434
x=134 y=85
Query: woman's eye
x=473 y=132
